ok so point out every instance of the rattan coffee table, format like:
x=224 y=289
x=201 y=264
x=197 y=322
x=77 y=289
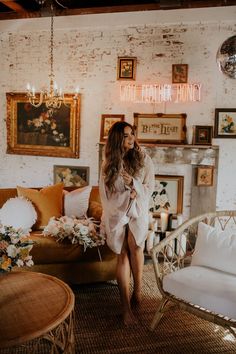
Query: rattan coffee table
x=36 y=306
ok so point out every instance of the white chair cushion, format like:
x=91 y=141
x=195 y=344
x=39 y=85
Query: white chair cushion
x=214 y=290
x=215 y=249
x=19 y=213
x=76 y=202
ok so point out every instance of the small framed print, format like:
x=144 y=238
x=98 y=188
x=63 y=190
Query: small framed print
x=71 y=176
x=179 y=73
x=126 y=68
x=205 y=176
x=225 y=123
x=107 y=121
x=167 y=195
x=202 y=135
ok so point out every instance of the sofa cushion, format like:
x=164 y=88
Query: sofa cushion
x=215 y=249
x=19 y=213
x=212 y=289
x=95 y=210
x=47 y=202
x=76 y=202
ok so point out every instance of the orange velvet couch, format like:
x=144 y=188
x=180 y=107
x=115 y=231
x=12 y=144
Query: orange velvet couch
x=65 y=261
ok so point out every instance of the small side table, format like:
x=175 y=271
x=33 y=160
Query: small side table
x=35 y=305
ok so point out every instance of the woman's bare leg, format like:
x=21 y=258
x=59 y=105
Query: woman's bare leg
x=123 y=280
x=136 y=262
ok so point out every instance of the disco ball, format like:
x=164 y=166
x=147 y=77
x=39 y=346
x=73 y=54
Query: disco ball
x=226 y=57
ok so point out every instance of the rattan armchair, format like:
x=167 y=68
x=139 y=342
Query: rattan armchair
x=172 y=255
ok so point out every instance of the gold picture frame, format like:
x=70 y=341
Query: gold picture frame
x=126 y=68
x=36 y=131
x=71 y=176
x=160 y=128
x=179 y=73
x=167 y=195
x=107 y=120
x=205 y=176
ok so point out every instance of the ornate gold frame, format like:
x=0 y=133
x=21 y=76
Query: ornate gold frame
x=22 y=141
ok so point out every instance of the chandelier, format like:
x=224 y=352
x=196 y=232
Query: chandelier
x=54 y=97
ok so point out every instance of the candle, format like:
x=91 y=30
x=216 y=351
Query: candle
x=170 y=247
x=181 y=245
x=164 y=221
x=150 y=220
x=154 y=226
x=150 y=241
x=156 y=240
x=179 y=219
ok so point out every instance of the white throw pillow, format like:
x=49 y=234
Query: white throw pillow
x=76 y=202
x=19 y=213
x=215 y=249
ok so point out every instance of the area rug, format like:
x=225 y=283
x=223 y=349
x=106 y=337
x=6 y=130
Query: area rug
x=99 y=329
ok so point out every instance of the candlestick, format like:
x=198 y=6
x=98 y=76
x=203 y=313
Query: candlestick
x=164 y=221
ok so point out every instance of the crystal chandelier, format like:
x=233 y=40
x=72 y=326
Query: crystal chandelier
x=54 y=97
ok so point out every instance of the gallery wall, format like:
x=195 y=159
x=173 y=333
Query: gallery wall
x=86 y=52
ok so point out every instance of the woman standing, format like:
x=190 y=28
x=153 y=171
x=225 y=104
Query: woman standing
x=126 y=184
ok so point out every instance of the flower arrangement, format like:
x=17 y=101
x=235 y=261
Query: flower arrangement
x=15 y=247
x=81 y=231
x=227 y=124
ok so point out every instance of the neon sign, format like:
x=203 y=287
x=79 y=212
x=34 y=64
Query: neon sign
x=158 y=93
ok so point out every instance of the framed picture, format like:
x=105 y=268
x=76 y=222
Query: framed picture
x=40 y=131
x=71 y=176
x=126 y=68
x=160 y=128
x=225 y=123
x=167 y=195
x=179 y=73
x=107 y=120
x=205 y=176
x=202 y=135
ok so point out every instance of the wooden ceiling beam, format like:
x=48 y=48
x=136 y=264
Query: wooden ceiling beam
x=13 y=5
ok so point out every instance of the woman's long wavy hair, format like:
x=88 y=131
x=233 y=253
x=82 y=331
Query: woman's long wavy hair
x=116 y=158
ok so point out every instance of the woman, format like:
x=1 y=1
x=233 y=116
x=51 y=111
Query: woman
x=126 y=184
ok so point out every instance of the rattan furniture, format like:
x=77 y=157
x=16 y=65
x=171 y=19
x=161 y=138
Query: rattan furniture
x=172 y=258
x=35 y=305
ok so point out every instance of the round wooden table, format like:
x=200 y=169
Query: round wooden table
x=35 y=305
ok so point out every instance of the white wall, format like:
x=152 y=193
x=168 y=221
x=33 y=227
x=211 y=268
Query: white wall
x=86 y=51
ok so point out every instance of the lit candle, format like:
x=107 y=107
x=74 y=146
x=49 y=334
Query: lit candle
x=164 y=221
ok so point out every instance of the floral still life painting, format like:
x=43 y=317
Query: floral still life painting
x=71 y=176
x=15 y=247
x=77 y=231
x=225 y=123
x=167 y=195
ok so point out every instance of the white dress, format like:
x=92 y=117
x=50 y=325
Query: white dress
x=119 y=210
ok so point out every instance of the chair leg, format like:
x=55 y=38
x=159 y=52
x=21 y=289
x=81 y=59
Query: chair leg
x=159 y=313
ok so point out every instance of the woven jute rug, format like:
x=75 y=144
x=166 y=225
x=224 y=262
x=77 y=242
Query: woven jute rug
x=99 y=329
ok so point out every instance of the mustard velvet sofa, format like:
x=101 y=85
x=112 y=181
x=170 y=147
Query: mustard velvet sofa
x=65 y=261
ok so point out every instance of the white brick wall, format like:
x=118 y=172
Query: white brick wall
x=86 y=51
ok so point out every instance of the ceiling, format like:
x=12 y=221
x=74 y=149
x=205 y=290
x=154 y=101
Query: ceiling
x=40 y=8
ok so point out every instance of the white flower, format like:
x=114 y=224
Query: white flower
x=12 y=251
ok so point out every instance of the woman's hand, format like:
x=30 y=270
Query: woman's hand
x=128 y=180
x=133 y=194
